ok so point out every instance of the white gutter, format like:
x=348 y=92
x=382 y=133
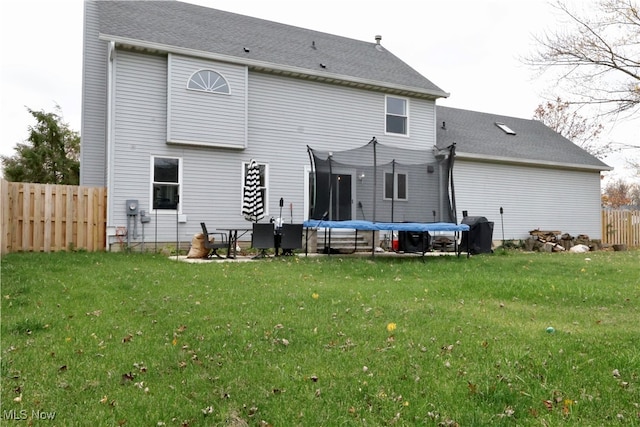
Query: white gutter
x=461 y=155
x=276 y=68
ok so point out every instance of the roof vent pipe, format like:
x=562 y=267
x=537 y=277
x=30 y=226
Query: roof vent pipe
x=378 y=39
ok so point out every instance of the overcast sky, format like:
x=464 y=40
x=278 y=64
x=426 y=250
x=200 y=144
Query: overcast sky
x=469 y=48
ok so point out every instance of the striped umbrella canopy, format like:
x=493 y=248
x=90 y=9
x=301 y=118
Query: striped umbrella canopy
x=252 y=203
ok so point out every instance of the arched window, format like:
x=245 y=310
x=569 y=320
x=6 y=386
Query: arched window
x=208 y=81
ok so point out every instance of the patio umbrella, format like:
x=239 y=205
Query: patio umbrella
x=252 y=203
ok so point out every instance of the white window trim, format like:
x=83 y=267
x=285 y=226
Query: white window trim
x=206 y=90
x=395 y=186
x=265 y=202
x=406 y=116
x=180 y=184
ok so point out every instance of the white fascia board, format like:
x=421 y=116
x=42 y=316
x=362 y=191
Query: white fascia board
x=460 y=155
x=207 y=144
x=276 y=68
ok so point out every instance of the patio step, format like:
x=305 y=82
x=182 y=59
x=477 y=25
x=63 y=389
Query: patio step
x=344 y=241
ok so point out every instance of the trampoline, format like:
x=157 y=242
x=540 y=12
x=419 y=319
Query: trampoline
x=379 y=187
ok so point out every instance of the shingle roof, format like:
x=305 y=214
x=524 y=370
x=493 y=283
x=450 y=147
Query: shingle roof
x=477 y=136
x=185 y=26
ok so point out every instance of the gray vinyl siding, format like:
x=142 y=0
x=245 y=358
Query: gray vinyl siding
x=207 y=118
x=94 y=102
x=532 y=198
x=139 y=131
x=284 y=116
x=287 y=115
x=329 y=117
x=210 y=176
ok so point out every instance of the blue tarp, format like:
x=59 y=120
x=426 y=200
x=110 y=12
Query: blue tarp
x=380 y=226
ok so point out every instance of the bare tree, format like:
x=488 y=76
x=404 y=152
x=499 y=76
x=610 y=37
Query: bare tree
x=634 y=194
x=597 y=55
x=634 y=164
x=561 y=116
x=620 y=193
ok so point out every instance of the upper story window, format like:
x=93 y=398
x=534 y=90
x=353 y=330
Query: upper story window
x=397 y=113
x=165 y=182
x=208 y=81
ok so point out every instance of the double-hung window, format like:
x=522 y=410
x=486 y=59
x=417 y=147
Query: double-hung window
x=397 y=115
x=395 y=186
x=166 y=182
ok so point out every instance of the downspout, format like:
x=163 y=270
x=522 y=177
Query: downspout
x=111 y=52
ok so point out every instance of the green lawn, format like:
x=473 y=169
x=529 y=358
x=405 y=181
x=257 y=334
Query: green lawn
x=108 y=339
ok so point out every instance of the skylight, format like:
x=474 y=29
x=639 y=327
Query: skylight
x=506 y=129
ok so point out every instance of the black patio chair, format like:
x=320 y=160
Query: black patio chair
x=220 y=241
x=291 y=238
x=263 y=238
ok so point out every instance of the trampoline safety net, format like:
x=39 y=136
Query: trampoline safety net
x=381 y=183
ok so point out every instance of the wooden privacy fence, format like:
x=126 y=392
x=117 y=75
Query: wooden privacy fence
x=621 y=227
x=47 y=218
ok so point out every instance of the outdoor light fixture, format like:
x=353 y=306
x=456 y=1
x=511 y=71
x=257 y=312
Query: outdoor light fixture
x=361 y=176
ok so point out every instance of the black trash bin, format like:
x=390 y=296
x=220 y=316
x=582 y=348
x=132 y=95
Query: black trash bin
x=413 y=241
x=479 y=237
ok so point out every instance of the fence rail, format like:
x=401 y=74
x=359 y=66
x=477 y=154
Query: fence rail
x=49 y=218
x=621 y=227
